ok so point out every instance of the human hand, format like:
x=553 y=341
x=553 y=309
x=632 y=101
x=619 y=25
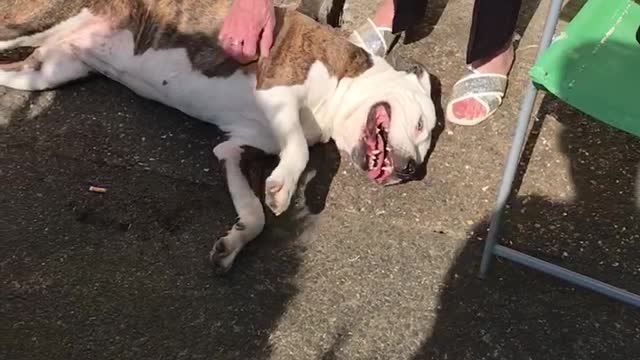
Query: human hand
x=248 y=24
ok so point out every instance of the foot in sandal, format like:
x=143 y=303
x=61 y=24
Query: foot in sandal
x=375 y=34
x=478 y=95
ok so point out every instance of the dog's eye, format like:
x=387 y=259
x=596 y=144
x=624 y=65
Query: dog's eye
x=420 y=125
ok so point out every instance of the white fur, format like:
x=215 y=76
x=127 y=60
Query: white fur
x=57 y=66
x=282 y=120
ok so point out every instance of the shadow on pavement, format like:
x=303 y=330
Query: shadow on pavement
x=123 y=274
x=517 y=313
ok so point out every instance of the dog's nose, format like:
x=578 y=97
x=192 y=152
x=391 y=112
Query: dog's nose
x=409 y=170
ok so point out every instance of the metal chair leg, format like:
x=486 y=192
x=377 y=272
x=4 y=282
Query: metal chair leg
x=568 y=275
x=513 y=159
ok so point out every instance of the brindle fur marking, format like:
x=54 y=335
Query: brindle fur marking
x=163 y=24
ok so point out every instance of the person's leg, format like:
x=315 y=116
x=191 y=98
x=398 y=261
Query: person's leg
x=408 y=13
x=490 y=53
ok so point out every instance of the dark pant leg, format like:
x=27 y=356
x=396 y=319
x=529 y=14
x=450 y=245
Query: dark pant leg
x=408 y=13
x=492 y=26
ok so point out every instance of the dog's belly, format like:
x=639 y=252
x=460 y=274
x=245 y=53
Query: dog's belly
x=167 y=76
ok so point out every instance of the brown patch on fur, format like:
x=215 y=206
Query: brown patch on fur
x=27 y=17
x=163 y=24
x=15 y=55
x=194 y=25
x=32 y=62
x=157 y=24
x=8 y=34
x=300 y=41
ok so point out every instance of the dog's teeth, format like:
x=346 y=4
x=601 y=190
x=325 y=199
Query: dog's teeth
x=376 y=152
x=387 y=168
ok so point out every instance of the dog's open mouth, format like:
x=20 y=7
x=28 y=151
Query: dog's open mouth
x=376 y=140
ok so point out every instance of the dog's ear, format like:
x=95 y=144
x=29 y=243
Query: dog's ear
x=414 y=68
x=423 y=77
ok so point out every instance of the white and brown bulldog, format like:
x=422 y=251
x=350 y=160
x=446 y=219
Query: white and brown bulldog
x=315 y=86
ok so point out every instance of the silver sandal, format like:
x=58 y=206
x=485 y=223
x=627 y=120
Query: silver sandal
x=486 y=89
x=375 y=40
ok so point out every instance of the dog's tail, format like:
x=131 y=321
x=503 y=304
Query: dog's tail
x=29 y=23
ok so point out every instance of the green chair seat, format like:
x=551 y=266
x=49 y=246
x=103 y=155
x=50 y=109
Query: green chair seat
x=594 y=64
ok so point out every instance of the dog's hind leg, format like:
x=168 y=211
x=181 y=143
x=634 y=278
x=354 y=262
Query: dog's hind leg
x=53 y=62
x=251 y=217
x=25 y=24
x=46 y=68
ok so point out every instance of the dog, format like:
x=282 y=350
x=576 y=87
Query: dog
x=314 y=87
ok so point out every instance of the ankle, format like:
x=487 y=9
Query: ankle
x=500 y=63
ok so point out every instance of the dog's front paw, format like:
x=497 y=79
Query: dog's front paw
x=222 y=255
x=278 y=193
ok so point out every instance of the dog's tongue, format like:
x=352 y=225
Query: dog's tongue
x=376 y=144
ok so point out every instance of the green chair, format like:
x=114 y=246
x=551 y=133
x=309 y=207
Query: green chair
x=594 y=66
